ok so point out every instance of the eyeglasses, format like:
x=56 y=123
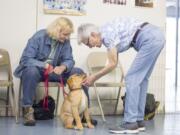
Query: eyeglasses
x=87 y=41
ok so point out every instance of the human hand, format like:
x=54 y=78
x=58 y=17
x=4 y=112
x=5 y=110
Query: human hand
x=49 y=67
x=59 y=69
x=89 y=80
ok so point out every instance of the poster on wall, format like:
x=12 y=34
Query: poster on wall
x=144 y=3
x=118 y=2
x=65 y=7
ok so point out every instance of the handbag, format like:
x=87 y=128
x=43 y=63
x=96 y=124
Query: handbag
x=42 y=113
x=44 y=109
x=150 y=107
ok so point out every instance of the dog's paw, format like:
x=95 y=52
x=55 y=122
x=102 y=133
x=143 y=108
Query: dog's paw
x=79 y=127
x=90 y=125
x=69 y=126
x=85 y=125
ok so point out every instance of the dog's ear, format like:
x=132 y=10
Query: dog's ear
x=70 y=83
x=84 y=76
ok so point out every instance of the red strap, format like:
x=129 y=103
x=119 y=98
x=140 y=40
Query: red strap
x=45 y=101
x=62 y=85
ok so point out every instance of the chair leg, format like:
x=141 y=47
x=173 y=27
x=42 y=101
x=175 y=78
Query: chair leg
x=119 y=91
x=7 y=101
x=15 y=108
x=57 y=100
x=19 y=100
x=13 y=102
x=99 y=102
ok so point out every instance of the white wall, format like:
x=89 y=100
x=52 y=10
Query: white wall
x=18 y=23
x=20 y=19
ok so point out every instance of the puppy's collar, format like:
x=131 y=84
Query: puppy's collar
x=76 y=89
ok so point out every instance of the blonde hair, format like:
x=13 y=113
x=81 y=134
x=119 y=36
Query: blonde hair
x=59 y=24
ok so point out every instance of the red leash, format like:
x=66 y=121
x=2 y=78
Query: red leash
x=45 y=101
x=61 y=84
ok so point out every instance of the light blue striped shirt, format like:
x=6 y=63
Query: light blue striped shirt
x=119 y=33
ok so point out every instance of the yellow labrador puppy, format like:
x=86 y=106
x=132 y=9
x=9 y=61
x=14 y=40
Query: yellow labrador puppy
x=75 y=104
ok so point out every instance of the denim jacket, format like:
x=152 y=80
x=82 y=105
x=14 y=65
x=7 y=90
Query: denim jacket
x=37 y=52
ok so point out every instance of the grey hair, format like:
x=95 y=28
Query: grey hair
x=85 y=30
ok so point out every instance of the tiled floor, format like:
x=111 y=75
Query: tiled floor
x=161 y=125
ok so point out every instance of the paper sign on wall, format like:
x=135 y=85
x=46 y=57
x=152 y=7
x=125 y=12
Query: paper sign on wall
x=144 y=3
x=65 y=7
x=118 y=2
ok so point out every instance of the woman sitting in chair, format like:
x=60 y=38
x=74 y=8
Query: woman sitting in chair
x=49 y=48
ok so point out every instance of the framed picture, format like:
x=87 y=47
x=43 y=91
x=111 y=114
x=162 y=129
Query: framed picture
x=144 y=3
x=118 y=2
x=65 y=7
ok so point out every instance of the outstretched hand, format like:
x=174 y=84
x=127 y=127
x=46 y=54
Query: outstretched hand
x=89 y=80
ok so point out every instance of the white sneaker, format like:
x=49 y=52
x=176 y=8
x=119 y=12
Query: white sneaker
x=126 y=128
x=141 y=125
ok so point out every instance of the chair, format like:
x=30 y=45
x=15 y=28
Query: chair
x=7 y=82
x=95 y=62
x=41 y=84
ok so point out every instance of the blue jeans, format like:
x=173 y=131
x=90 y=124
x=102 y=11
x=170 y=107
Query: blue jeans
x=149 y=44
x=31 y=76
